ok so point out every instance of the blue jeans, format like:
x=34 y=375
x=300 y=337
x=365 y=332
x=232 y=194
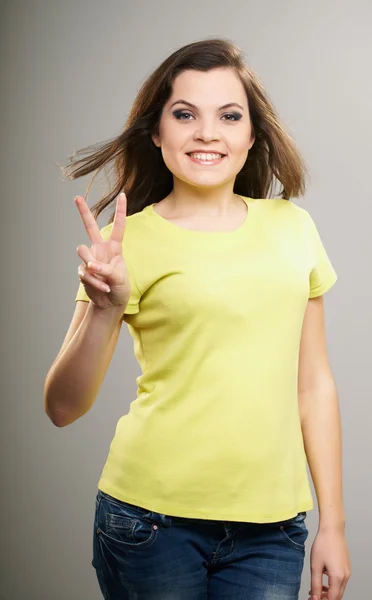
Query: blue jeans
x=145 y=555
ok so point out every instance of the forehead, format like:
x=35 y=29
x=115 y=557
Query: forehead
x=218 y=86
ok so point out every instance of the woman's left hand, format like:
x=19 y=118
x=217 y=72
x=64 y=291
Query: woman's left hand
x=329 y=555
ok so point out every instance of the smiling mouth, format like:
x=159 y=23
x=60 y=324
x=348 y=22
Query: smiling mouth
x=205 y=161
x=220 y=155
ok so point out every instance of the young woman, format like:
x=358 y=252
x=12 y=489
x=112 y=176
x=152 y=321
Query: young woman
x=205 y=489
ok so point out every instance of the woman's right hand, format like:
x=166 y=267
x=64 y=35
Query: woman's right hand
x=103 y=271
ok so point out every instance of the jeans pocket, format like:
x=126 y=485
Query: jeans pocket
x=121 y=525
x=294 y=531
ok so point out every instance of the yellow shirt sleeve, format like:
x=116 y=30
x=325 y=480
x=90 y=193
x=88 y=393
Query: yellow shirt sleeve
x=322 y=275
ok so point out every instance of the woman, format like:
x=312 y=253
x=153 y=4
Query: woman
x=205 y=490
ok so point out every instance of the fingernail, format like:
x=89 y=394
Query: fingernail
x=314 y=597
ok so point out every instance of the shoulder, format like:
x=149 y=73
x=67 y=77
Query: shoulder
x=134 y=224
x=287 y=210
x=280 y=204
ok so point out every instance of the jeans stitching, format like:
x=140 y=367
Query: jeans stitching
x=286 y=537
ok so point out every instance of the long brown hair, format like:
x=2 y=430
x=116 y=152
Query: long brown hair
x=138 y=165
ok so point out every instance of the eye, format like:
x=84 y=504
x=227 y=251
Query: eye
x=236 y=116
x=180 y=114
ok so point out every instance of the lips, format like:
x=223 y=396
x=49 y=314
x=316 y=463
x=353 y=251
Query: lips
x=204 y=152
x=205 y=162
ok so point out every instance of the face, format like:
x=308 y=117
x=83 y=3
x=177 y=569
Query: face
x=207 y=126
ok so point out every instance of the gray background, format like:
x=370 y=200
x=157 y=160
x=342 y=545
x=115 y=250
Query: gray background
x=69 y=74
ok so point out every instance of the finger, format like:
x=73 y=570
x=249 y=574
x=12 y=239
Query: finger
x=86 y=277
x=93 y=265
x=85 y=254
x=117 y=232
x=342 y=590
x=334 y=590
x=316 y=589
x=101 y=268
x=324 y=587
x=90 y=224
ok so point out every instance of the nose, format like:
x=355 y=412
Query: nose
x=206 y=131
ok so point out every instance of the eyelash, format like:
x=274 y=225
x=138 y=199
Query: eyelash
x=179 y=114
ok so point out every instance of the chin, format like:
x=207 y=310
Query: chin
x=204 y=179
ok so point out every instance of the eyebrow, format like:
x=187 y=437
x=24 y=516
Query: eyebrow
x=193 y=105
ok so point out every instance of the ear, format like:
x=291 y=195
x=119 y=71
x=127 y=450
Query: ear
x=156 y=139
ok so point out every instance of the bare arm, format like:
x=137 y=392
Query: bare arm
x=320 y=417
x=322 y=434
x=74 y=379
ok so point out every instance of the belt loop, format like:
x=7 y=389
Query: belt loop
x=161 y=519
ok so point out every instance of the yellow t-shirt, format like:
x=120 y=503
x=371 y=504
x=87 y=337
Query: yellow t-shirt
x=216 y=319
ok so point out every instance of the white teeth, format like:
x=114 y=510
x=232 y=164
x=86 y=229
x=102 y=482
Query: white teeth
x=200 y=156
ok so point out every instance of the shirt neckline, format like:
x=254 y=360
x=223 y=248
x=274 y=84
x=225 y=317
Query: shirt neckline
x=168 y=226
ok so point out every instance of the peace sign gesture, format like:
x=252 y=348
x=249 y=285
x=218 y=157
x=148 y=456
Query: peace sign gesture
x=103 y=271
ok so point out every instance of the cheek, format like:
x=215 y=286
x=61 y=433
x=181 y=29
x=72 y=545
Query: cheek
x=241 y=148
x=170 y=152
x=172 y=158
x=241 y=142
x=172 y=145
